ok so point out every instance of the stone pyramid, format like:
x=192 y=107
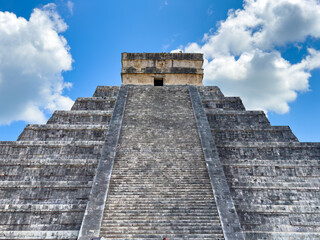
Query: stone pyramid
x=176 y=160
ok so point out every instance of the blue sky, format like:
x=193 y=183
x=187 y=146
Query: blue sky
x=98 y=31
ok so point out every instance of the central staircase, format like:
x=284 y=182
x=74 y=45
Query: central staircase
x=160 y=185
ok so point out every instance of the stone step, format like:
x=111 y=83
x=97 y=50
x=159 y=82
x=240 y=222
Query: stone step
x=158 y=163
x=47 y=173
x=85 y=117
x=94 y=103
x=153 y=214
x=160 y=230
x=162 y=173
x=273 y=171
x=194 y=187
x=178 y=182
x=164 y=186
x=45 y=161
x=280 y=209
x=285 y=223
x=285 y=227
x=163 y=194
x=254 y=128
x=56 y=202
x=275 y=144
x=156 y=167
x=63 y=132
x=160 y=177
x=158 y=200
x=162 y=181
x=274 y=163
x=46 y=194
x=153 y=189
x=271 y=150
x=283 y=235
x=134 y=216
x=146 y=204
x=161 y=223
x=178 y=143
x=159 y=196
x=44 y=184
x=161 y=186
x=244 y=134
x=38 y=234
x=213 y=98
x=50 y=149
x=41 y=218
x=165 y=222
x=304 y=186
x=213 y=236
x=210 y=92
x=275 y=196
x=27 y=226
x=160 y=149
x=106 y=91
x=163 y=235
x=34 y=215
x=177 y=159
x=165 y=203
x=234 y=119
x=41 y=207
x=226 y=103
x=146 y=155
x=147 y=208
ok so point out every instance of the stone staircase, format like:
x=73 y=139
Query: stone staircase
x=273 y=178
x=46 y=175
x=160 y=185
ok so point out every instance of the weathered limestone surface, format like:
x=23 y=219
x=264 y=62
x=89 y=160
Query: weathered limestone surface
x=160 y=185
x=46 y=176
x=91 y=223
x=225 y=206
x=274 y=179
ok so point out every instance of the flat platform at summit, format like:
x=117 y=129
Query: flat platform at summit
x=160 y=156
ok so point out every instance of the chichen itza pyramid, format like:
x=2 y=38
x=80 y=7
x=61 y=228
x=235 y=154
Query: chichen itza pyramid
x=160 y=156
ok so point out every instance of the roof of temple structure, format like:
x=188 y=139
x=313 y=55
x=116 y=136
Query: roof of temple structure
x=159 y=156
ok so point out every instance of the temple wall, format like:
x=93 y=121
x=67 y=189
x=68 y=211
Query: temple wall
x=168 y=79
x=172 y=68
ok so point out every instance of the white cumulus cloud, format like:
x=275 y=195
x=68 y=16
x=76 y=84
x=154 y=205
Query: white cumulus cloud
x=243 y=59
x=33 y=55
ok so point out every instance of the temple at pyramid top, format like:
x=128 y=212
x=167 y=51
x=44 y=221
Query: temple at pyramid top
x=162 y=69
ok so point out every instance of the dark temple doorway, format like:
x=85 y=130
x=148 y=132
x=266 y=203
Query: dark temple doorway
x=158 y=82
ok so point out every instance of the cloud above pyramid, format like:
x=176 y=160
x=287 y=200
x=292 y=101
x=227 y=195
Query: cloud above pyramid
x=243 y=55
x=33 y=56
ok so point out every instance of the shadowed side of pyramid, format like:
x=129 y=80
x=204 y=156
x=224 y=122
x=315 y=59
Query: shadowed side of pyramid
x=273 y=178
x=46 y=175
